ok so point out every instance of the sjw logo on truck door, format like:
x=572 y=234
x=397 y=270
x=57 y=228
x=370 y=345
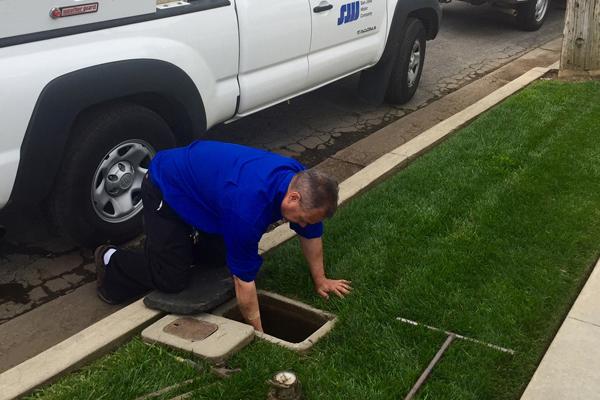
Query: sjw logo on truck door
x=349 y=12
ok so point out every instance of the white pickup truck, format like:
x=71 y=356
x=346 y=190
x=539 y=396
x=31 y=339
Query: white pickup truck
x=90 y=90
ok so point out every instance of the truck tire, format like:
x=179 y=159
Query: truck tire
x=406 y=73
x=97 y=194
x=531 y=15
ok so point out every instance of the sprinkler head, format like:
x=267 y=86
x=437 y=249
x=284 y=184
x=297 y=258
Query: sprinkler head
x=284 y=386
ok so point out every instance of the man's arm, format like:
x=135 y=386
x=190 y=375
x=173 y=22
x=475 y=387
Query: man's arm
x=247 y=300
x=313 y=252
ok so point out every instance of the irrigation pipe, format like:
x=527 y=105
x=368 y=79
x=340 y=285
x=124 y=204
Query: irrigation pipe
x=429 y=368
x=183 y=396
x=433 y=328
x=441 y=351
x=165 y=390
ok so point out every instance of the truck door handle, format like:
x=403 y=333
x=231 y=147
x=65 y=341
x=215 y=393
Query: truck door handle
x=323 y=7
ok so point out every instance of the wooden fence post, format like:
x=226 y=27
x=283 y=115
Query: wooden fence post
x=581 y=44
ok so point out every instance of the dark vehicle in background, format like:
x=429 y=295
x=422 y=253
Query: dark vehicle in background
x=529 y=14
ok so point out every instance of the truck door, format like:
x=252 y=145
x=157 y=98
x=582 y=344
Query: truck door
x=274 y=45
x=346 y=35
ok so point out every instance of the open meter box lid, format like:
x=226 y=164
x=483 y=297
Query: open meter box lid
x=20 y=17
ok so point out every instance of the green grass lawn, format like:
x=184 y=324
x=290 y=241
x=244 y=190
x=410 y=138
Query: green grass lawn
x=491 y=235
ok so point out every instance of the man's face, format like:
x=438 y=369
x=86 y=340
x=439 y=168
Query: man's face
x=292 y=211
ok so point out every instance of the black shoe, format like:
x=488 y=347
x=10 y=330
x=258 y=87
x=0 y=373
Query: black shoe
x=102 y=296
x=99 y=261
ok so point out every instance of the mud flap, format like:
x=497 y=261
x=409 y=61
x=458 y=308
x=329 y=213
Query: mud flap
x=374 y=81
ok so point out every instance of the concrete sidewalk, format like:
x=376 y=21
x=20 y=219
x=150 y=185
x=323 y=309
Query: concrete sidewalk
x=570 y=369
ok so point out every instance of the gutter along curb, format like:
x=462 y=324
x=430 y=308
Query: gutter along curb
x=117 y=328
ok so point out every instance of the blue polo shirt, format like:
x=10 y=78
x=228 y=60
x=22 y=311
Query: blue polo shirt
x=229 y=190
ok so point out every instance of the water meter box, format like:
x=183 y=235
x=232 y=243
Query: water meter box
x=20 y=17
x=286 y=322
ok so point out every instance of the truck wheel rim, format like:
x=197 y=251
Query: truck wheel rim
x=541 y=6
x=414 y=63
x=117 y=184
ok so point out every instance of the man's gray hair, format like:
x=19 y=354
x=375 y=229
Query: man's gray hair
x=318 y=191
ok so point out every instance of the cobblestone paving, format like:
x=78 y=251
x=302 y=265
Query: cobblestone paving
x=36 y=266
x=32 y=275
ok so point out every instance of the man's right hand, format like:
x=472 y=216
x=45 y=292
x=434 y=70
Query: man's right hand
x=247 y=300
x=340 y=287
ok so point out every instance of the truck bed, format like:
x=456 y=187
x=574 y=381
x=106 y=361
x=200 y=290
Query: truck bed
x=21 y=17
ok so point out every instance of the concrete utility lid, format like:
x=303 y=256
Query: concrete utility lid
x=210 y=287
x=208 y=336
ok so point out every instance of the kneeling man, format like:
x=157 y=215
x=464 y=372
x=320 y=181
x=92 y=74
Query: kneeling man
x=228 y=192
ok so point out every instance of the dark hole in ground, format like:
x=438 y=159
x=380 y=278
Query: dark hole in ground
x=13 y=292
x=283 y=320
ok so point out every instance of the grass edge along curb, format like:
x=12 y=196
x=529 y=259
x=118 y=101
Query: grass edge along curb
x=108 y=333
x=552 y=369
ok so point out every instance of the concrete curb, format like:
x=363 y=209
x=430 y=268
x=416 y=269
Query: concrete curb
x=108 y=333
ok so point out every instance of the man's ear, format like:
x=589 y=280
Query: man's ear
x=294 y=196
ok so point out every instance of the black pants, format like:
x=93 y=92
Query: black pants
x=172 y=249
